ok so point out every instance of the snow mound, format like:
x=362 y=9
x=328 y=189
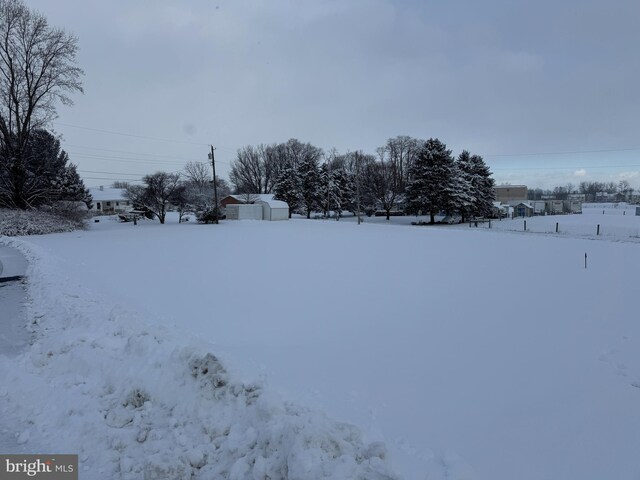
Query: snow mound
x=136 y=401
x=15 y=223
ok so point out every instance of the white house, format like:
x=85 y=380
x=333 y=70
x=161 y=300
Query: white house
x=109 y=200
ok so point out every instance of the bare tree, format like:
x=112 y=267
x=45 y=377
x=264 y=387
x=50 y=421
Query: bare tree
x=37 y=71
x=248 y=171
x=156 y=194
x=384 y=180
x=401 y=153
x=198 y=173
x=257 y=169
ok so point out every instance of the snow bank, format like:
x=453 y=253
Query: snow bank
x=140 y=401
x=14 y=223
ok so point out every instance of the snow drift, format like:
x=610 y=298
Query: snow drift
x=140 y=401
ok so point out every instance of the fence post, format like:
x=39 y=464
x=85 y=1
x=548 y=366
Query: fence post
x=556 y=227
x=598 y=230
x=525 y=225
x=585 y=259
x=489 y=223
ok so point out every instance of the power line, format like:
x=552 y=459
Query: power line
x=91 y=156
x=132 y=153
x=577 y=152
x=111 y=132
x=567 y=168
x=113 y=179
x=144 y=137
x=114 y=173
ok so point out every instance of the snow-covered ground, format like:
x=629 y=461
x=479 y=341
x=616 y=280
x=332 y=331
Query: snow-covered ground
x=594 y=226
x=470 y=354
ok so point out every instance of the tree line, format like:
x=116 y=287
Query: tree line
x=406 y=174
x=621 y=190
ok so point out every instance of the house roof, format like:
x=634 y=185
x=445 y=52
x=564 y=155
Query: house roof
x=107 y=194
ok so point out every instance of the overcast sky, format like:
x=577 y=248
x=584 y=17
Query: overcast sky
x=502 y=79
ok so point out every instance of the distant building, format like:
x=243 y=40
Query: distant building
x=109 y=200
x=511 y=193
x=572 y=206
x=538 y=207
x=554 y=207
x=523 y=209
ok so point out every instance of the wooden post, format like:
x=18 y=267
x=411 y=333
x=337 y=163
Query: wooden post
x=525 y=225
x=585 y=260
x=489 y=223
x=598 y=230
x=556 y=227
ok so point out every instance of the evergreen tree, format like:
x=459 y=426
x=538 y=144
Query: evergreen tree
x=69 y=186
x=485 y=186
x=310 y=185
x=478 y=176
x=43 y=175
x=433 y=180
x=469 y=182
x=337 y=190
x=458 y=194
x=287 y=188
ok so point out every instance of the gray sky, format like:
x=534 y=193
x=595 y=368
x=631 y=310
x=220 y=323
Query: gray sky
x=497 y=78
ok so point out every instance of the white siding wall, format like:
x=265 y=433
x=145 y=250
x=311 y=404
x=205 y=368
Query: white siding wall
x=244 y=212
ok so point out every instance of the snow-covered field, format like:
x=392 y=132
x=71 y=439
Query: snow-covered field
x=470 y=354
x=594 y=226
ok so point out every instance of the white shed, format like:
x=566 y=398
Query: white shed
x=240 y=211
x=274 y=209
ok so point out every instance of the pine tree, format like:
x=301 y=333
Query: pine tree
x=469 y=180
x=310 y=185
x=486 y=184
x=287 y=188
x=478 y=175
x=44 y=176
x=68 y=186
x=432 y=180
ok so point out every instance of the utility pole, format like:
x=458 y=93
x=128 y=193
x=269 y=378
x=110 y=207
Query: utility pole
x=215 y=183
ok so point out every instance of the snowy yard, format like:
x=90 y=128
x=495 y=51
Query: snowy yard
x=470 y=354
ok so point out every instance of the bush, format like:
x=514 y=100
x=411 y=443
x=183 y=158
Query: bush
x=208 y=215
x=14 y=223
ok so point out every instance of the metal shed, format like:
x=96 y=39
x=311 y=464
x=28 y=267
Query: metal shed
x=244 y=212
x=274 y=209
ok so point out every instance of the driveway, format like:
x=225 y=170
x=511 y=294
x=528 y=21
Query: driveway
x=13 y=332
x=14 y=336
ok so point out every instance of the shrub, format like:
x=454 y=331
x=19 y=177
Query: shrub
x=14 y=223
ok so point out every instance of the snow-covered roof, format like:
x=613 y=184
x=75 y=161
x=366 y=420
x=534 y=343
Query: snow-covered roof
x=107 y=194
x=263 y=198
x=274 y=203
